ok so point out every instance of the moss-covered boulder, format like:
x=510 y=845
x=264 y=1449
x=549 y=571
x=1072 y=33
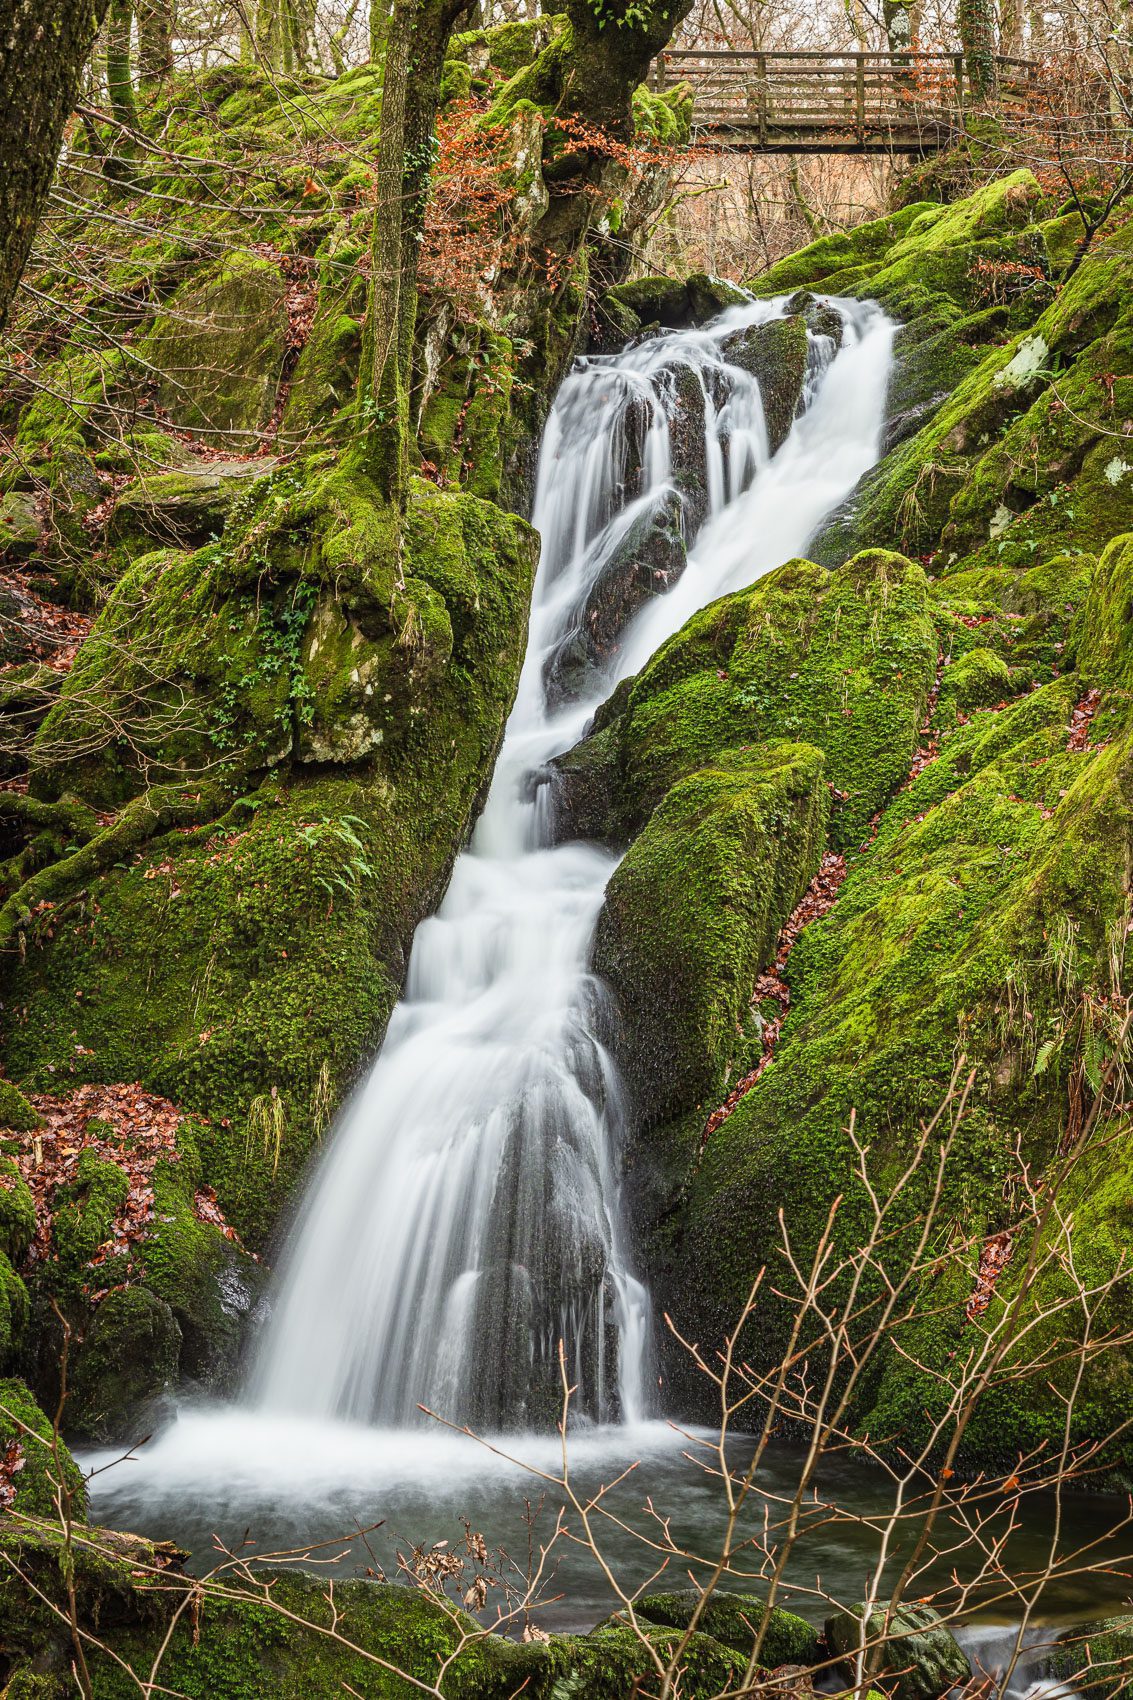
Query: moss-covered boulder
x=736 y=1620
x=204 y=971
x=37 y=1467
x=843 y=661
x=189 y=506
x=287 y=1634
x=978 y=679
x=775 y=353
x=692 y=914
x=1095 y=1658
x=129 y=1357
x=1007 y=404
x=16 y=1114
x=920 y=1654
x=219 y=346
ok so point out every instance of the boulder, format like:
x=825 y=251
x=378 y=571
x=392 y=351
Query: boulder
x=187 y=507
x=20 y=523
x=734 y=1619
x=128 y=1358
x=42 y=1456
x=979 y=679
x=692 y=914
x=921 y=1656
x=775 y=353
x=1095 y=1658
x=219 y=348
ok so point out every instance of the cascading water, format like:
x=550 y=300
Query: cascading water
x=466 y=1216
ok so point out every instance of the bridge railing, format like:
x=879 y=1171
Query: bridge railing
x=777 y=97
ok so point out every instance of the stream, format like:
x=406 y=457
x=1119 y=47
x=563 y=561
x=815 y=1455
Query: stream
x=465 y=1217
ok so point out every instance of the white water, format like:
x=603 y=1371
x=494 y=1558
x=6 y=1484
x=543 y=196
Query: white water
x=466 y=1213
x=466 y=1216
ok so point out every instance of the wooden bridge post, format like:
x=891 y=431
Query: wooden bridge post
x=860 y=102
x=958 y=73
x=764 y=93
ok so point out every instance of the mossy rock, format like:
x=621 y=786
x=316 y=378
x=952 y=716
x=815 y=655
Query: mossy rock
x=204 y=968
x=1102 y=635
x=188 y=506
x=734 y=1620
x=239 y=1646
x=21 y=527
x=128 y=1358
x=1095 y=1659
x=921 y=1655
x=979 y=679
x=45 y=1457
x=17 y=1210
x=16 y=1114
x=692 y=914
x=219 y=348
x=775 y=354
x=841 y=661
x=1018 y=460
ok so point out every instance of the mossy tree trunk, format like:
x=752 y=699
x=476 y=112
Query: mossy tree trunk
x=120 y=67
x=283 y=34
x=155 y=40
x=379 y=28
x=416 y=39
x=43 y=49
x=976 y=22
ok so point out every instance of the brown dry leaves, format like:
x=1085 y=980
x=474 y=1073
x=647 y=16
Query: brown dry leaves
x=47 y=632
x=122 y=1124
x=993 y=1259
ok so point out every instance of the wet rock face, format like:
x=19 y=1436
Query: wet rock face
x=648 y=562
x=775 y=354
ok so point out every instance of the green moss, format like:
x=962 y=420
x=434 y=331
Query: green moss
x=15 y=1111
x=921 y=1655
x=842 y=661
x=1096 y=1658
x=14 y=1311
x=219 y=348
x=47 y=1464
x=242 y=1647
x=130 y=1354
x=267 y=951
x=85 y=1209
x=1102 y=637
x=17 y=1210
x=1021 y=459
x=692 y=914
x=939 y=941
x=979 y=679
x=735 y=1619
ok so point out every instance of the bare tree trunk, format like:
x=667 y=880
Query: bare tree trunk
x=43 y=48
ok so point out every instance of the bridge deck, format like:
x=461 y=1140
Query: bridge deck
x=828 y=102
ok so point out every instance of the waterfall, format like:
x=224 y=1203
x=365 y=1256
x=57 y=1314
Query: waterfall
x=465 y=1217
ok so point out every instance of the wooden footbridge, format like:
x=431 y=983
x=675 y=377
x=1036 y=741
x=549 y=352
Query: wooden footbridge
x=829 y=102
